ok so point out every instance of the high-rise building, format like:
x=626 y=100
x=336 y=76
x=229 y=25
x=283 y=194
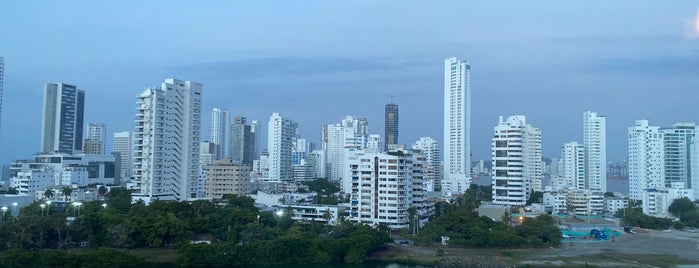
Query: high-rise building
x=243 y=141
x=123 y=144
x=595 y=142
x=256 y=129
x=62 y=121
x=573 y=160
x=677 y=142
x=220 y=132
x=379 y=194
x=2 y=82
x=281 y=133
x=96 y=142
x=429 y=148
x=533 y=164
x=208 y=152
x=391 y=129
x=646 y=159
x=515 y=146
x=457 y=126
x=166 y=143
x=350 y=133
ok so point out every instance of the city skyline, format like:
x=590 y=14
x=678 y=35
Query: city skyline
x=594 y=67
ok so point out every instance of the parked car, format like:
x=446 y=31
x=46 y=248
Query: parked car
x=693 y=230
x=667 y=230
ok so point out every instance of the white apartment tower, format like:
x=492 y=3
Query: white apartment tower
x=351 y=133
x=533 y=164
x=677 y=142
x=166 y=142
x=123 y=142
x=595 y=142
x=457 y=126
x=96 y=142
x=646 y=159
x=221 y=132
x=514 y=142
x=2 y=82
x=429 y=147
x=573 y=160
x=281 y=134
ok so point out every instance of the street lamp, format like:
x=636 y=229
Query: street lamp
x=48 y=204
x=14 y=208
x=4 y=209
x=104 y=205
x=42 y=209
x=76 y=205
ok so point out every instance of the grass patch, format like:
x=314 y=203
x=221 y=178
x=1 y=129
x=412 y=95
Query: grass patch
x=155 y=255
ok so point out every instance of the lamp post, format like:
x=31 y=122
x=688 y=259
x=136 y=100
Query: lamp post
x=76 y=206
x=42 y=209
x=14 y=208
x=48 y=205
x=4 y=209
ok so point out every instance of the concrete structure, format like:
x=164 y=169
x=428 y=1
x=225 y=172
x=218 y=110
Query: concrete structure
x=656 y=201
x=391 y=126
x=224 y=177
x=646 y=159
x=514 y=143
x=221 y=132
x=312 y=213
x=351 y=133
x=208 y=152
x=62 y=120
x=243 y=141
x=96 y=142
x=430 y=149
x=695 y=168
x=573 y=164
x=166 y=146
x=2 y=83
x=677 y=141
x=614 y=204
x=123 y=144
x=457 y=127
x=384 y=186
x=595 y=142
x=281 y=133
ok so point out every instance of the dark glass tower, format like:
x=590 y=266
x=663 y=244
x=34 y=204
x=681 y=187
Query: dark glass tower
x=391 y=137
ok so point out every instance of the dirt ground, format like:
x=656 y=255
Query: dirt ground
x=649 y=248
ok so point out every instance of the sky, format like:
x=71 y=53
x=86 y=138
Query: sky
x=318 y=61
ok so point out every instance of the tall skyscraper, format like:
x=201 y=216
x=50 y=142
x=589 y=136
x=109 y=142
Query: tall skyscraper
x=646 y=159
x=2 y=83
x=123 y=144
x=350 y=133
x=429 y=147
x=166 y=145
x=573 y=160
x=281 y=133
x=256 y=129
x=62 y=121
x=96 y=142
x=391 y=129
x=243 y=142
x=457 y=126
x=677 y=141
x=595 y=142
x=221 y=132
x=515 y=145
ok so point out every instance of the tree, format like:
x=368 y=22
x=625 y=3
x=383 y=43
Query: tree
x=66 y=191
x=681 y=206
x=535 y=197
x=48 y=194
x=102 y=190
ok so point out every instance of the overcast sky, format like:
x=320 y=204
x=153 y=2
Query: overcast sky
x=317 y=61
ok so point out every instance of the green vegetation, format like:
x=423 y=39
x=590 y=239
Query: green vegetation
x=686 y=211
x=327 y=191
x=460 y=222
x=238 y=232
x=633 y=216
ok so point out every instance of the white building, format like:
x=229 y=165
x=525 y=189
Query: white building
x=2 y=82
x=573 y=160
x=430 y=149
x=351 y=133
x=166 y=146
x=123 y=144
x=677 y=141
x=374 y=142
x=646 y=159
x=595 y=142
x=221 y=132
x=96 y=142
x=614 y=204
x=457 y=126
x=313 y=213
x=512 y=143
x=656 y=201
x=695 y=168
x=533 y=164
x=384 y=186
x=281 y=134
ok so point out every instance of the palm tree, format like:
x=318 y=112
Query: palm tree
x=102 y=190
x=66 y=191
x=48 y=194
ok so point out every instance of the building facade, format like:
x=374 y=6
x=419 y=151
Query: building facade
x=595 y=142
x=281 y=133
x=96 y=142
x=123 y=145
x=513 y=143
x=430 y=150
x=62 y=120
x=224 y=177
x=243 y=141
x=677 y=153
x=166 y=143
x=391 y=126
x=457 y=126
x=646 y=159
x=573 y=163
x=220 y=132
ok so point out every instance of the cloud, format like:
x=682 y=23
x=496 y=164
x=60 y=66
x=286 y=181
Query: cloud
x=655 y=66
x=691 y=30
